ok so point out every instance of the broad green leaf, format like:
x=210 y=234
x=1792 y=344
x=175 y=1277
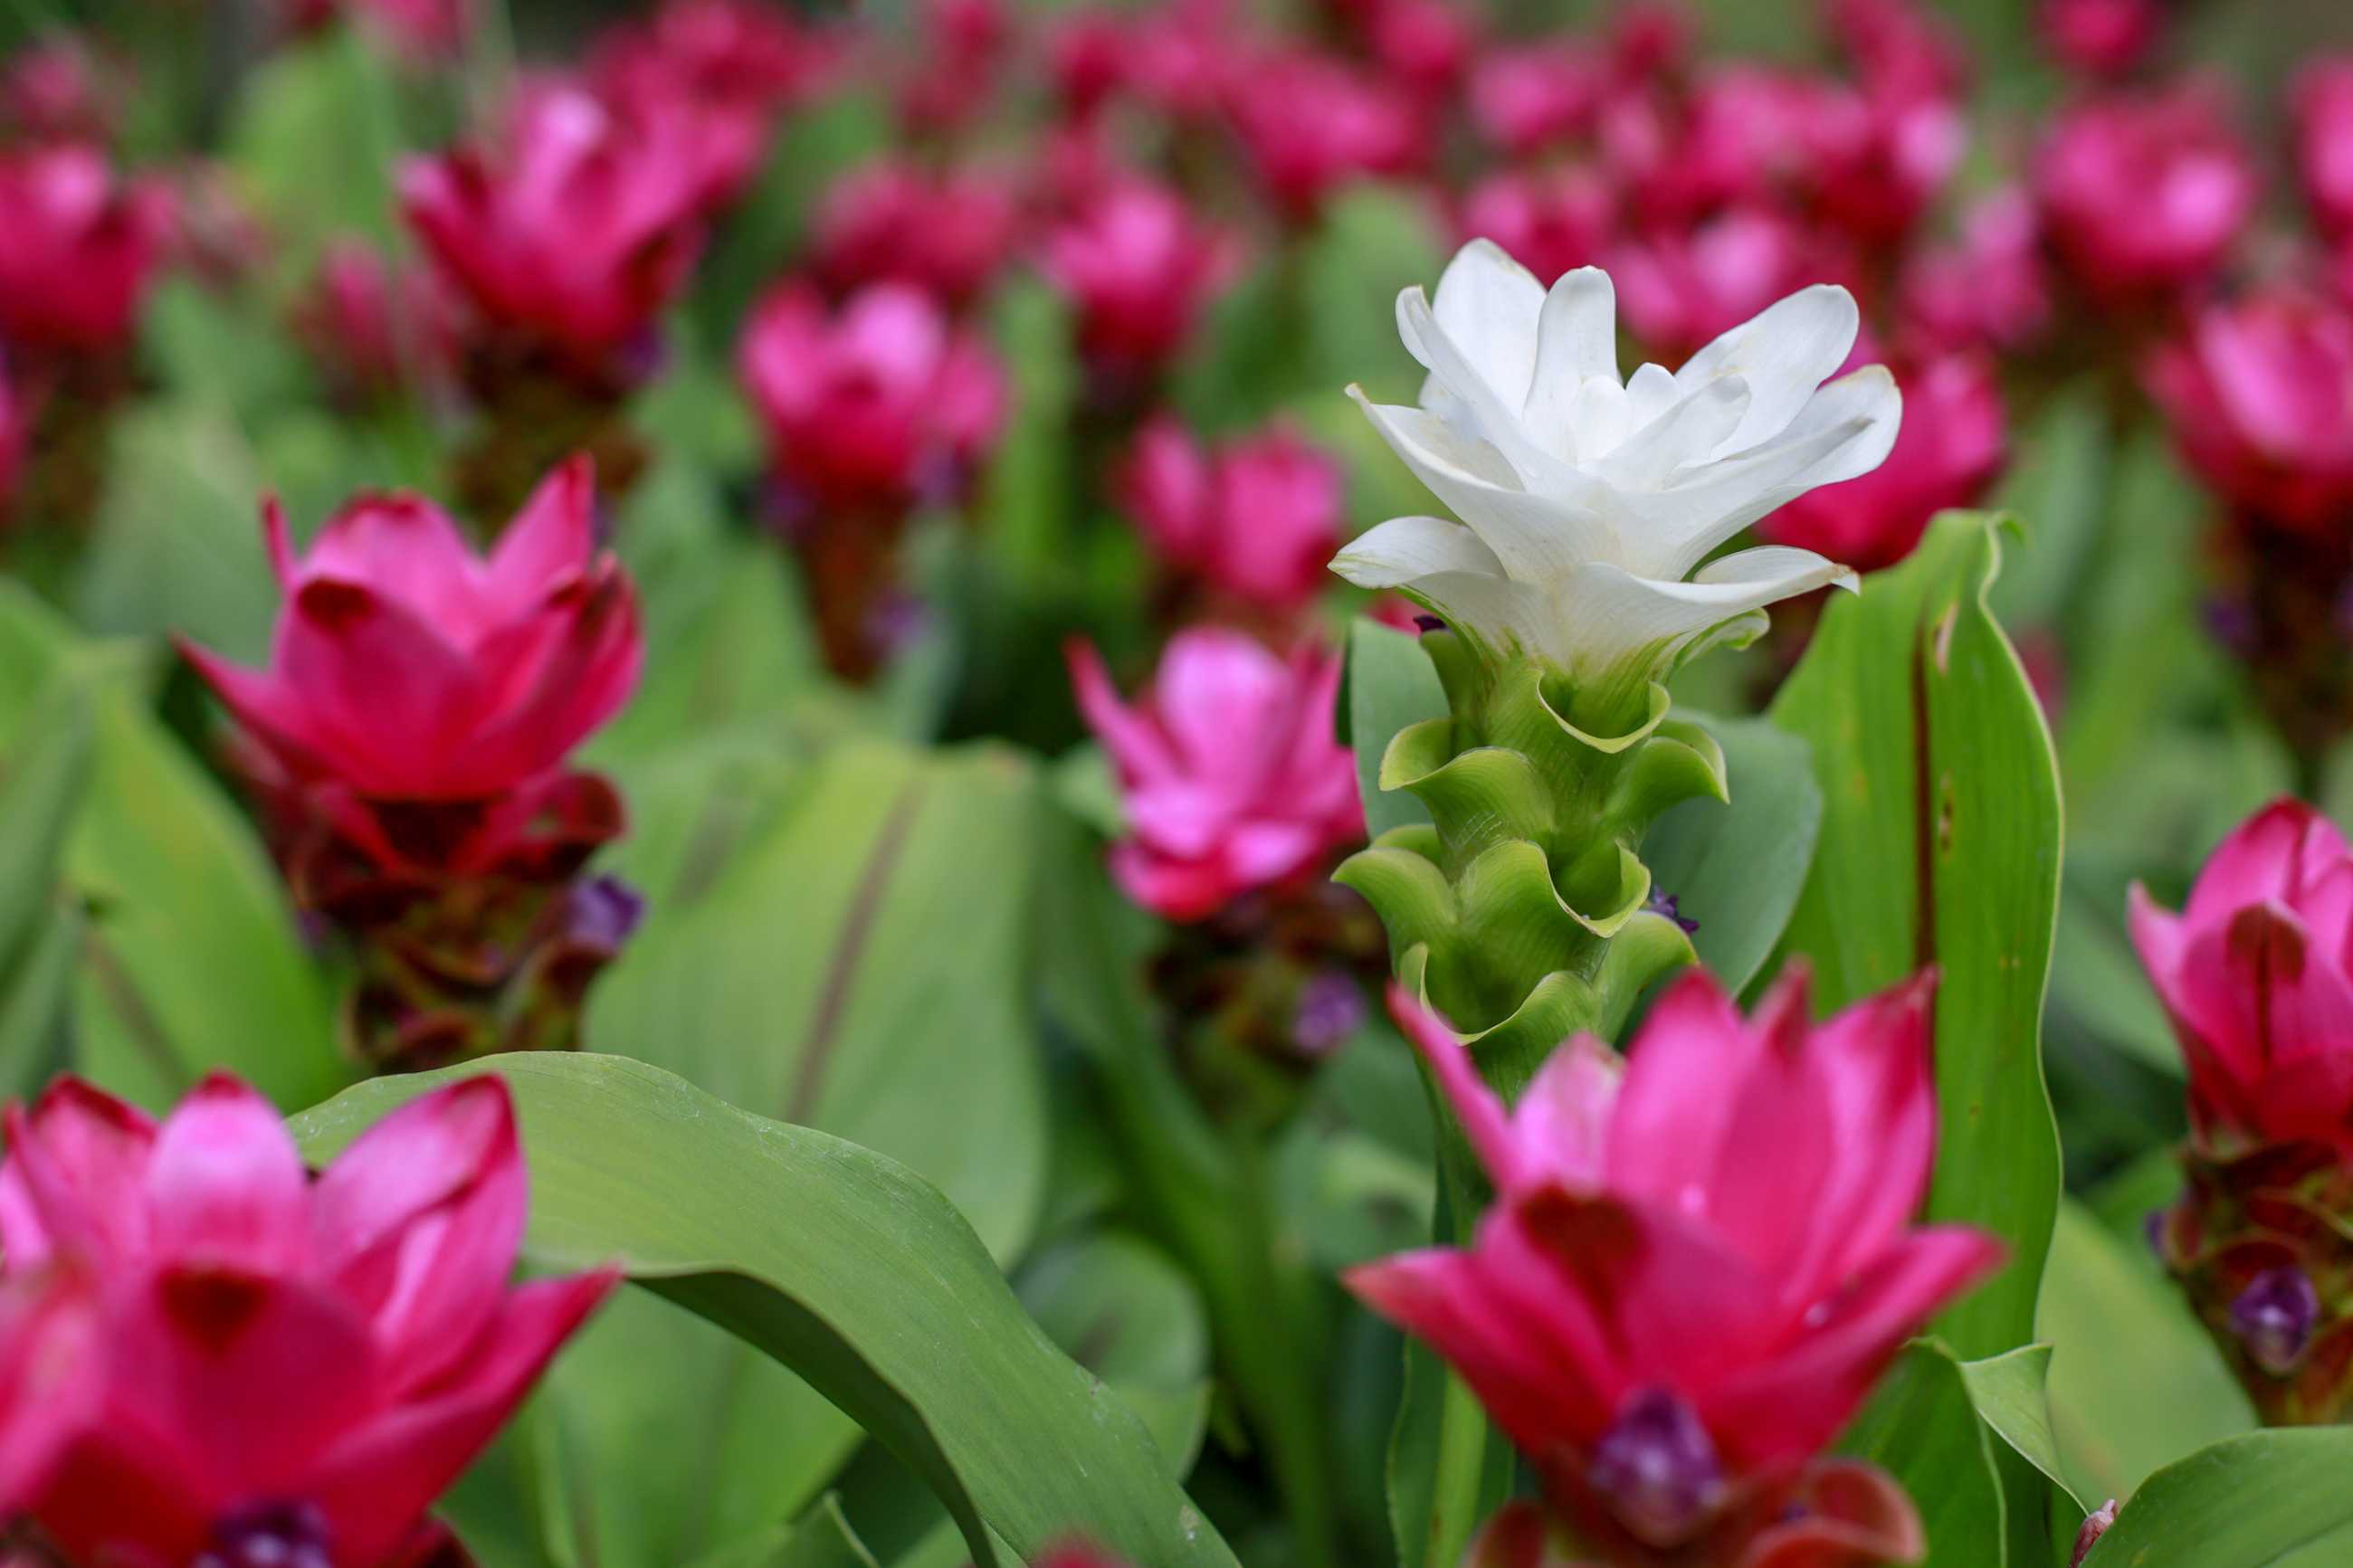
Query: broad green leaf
x=2010 y=1393
x=839 y=947
x=2250 y=1501
x=1940 y=845
x=1372 y=242
x=1922 y=1427
x=2061 y=486
x=2134 y=1383
x=1737 y=869
x=314 y=141
x=819 y=1539
x=41 y=790
x=1390 y=684
x=845 y=1266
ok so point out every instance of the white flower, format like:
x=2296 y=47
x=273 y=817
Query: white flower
x=1588 y=500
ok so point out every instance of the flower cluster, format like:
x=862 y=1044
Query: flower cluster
x=408 y=744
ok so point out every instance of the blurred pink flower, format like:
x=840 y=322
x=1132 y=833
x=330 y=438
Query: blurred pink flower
x=1949 y=451
x=1311 y=124
x=1878 y=156
x=406 y=667
x=725 y=68
x=1089 y=55
x=62 y=90
x=82 y=245
x=207 y=1356
x=1904 y=46
x=1139 y=267
x=1649 y=38
x=1257 y=518
x=1551 y=221
x=880 y=404
x=1700 y=1258
x=1527 y=97
x=2259 y=397
x=1427 y=45
x=964 y=44
x=1989 y=290
x=1679 y=292
x=374 y=326
x=946 y=232
x=2144 y=192
x=1227 y=770
x=1741 y=134
x=1183 y=55
x=572 y=229
x=2323 y=106
x=423 y=30
x=2254 y=975
x=2101 y=38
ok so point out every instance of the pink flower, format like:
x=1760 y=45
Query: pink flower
x=946 y=233
x=1679 y=290
x=1950 y=450
x=1426 y=45
x=1229 y=771
x=725 y=68
x=406 y=667
x=574 y=229
x=2144 y=192
x=2323 y=105
x=1699 y=1260
x=1311 y=124
x=1902 y=46
x=1651 y=38
x=963 y=47
x=1988 y=291
x=2259 y=394
x=879 y=405
x=82 y=247
x=62 y=90
x=1140 y=268
x=2101 y=38
x=374 y=328
x=423 y=30
x=2255 y=973
x=1088 y=54
x=1183 y=57
x=1878 y=156
x=1257 y=518
x=1527 y=97
x=205 y=1355
x=1552 y=222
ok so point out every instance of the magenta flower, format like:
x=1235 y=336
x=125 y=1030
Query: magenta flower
x=1088 y=54
x=1991 y=289
x=1311 y=124
x=2323 y=103
x=62 y=90
x=207 y=1356
x=2144 y=192
x=1139 y=267
x=1699 y=1260
x=82 y=247
x=572 y=229
x=1949 y=450
x=1551 y=222
x=374 y=326
x=1426 y=45
x=1680 y=290
x=1182 y=57
x=2255 y=974
x=2101 y=38
x=1228 y=772
x=1879 y=156
x=881 y=404
x=1527 y=98
x=406 y=667
x=2259 y=395
x=1257 y=518
x=725 y=68
x=946 y=233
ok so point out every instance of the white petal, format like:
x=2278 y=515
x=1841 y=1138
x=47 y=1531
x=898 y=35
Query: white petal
x=1846 y=430
x=1651 y=391
x=1605 y=615
x=1405 y=548
x=1784 y=352
x=1533 y=534
x=1488 y=304
x=1510 y=617
x=1472 y=403
x=1679 y=440
x=1576 y=343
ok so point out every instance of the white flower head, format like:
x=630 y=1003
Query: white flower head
x=1589 y=499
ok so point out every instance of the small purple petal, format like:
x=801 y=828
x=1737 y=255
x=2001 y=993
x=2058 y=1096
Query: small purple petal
x=603 y=911
x=1664 y=904
x=2275 y=1316
x=1428 y=624
x=274 y=1535
x=1331 y=1009
x=1657 y=1469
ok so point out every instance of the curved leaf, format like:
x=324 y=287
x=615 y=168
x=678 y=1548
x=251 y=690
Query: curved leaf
x=845 y=1267
x=2246 y=1503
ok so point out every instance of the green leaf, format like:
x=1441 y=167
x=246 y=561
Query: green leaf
x=2010 y=1393
x=1391 y=686
x=1922 y=1427
x=844 y=1266
x=314 y=143
x=2245 y=1502
x=1940 y=845
x=1737 y=869
x=2134 y=1383
x=820 y=1539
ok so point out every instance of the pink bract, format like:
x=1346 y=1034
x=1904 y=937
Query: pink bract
x=1227 y=770
x=406 y=667
x=204 y=1349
